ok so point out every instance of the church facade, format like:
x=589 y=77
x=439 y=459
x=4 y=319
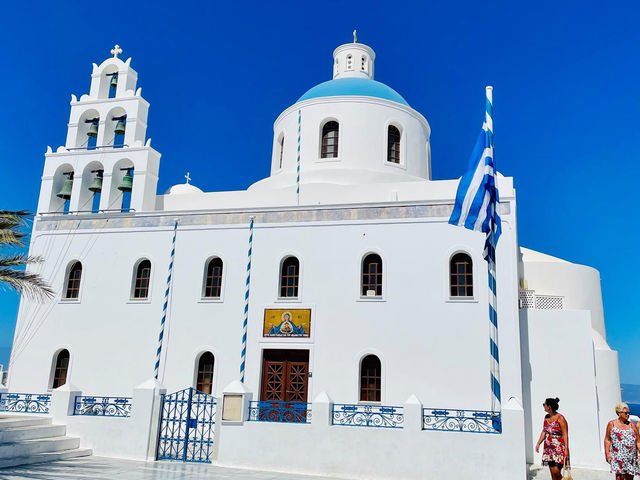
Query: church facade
x=326 y=300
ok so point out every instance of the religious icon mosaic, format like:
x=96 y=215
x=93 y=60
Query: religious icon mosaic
x=287 y=323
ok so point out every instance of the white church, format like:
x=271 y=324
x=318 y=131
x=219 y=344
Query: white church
x=327 y=320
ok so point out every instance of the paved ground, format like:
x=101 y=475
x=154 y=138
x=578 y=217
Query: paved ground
x=98 y=468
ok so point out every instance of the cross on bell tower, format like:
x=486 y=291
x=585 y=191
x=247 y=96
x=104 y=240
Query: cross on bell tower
x=117 y=50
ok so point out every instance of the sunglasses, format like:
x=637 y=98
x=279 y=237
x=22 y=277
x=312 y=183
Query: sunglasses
x=624 y=413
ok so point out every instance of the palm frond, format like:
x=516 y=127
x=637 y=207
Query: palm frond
x=18 y=259
x=29 y=284
x=11 y=235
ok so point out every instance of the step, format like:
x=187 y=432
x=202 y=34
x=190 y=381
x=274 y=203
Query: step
x=31 y=447
x=17 y=434
x=12 y=421
x=45 y=457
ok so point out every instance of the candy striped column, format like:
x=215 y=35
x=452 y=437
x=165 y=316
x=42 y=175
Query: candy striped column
x=298 y=161
x=243 y=355
x=166 y=301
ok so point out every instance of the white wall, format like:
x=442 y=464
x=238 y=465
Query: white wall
x=578 y=284
x=376 y=453
x=558 y=361
x=428 y=344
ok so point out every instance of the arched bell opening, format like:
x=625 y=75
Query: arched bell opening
x=115 y=127
x=108 y=87
x=121 y=185
x=91 y=187
x=61 y=189
x=88 y=126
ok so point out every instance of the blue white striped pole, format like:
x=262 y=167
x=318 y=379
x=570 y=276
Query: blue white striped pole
x=243 y=356
x=166 y=301
x=298 y=161
x=490 y=256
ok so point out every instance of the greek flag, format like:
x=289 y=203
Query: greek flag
x=476 y=209
x=477 y=197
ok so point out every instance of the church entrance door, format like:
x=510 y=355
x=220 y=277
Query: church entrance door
x=187 y=426
x=283 y=396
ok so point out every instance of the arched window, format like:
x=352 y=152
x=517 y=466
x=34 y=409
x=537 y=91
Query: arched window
x=329 y=140
x=61 y=368
x=281 y=148
x=289 y=277
x=372 y=276
x=143 y=276
x=461 y=275
x=393 y=144
x=213 y=280
x=204 y=382
x=73 y=281
x=370 y=379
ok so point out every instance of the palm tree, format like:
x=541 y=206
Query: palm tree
x=12 y=235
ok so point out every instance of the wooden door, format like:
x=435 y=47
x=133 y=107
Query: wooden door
x=284 y=386
x=285 y=375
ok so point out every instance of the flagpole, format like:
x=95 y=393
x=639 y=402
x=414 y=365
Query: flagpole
x=490 y=256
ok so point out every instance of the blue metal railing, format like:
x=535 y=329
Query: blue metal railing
x=103 y=406
x=472 y=421
x=379 y=416
x=25 y=402
x=270 y=411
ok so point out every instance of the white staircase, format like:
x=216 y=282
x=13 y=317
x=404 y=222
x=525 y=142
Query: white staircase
x=27 y=439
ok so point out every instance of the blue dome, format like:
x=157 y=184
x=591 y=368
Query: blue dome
x=364 y=87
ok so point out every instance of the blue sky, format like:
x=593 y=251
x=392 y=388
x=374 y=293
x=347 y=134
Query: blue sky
x=566 y=95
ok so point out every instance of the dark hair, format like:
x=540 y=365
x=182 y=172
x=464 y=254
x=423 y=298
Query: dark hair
x=552 y=403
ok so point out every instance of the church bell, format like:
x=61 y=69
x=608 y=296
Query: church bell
x=119 y=130
x=93 y=130
x=127 y=181
x=65 y=192
x=114 y=81
x=96 y=185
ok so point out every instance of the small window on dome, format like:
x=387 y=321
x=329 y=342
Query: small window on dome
x=281 y=150
x=349 y=62
x=329 y=147
x=393 y=144
x=363 y=63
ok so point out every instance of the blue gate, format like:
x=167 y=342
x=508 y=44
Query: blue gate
x=187 y=426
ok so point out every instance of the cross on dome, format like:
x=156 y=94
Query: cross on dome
x=188 y=177
x=116 y=50
x=355 y=36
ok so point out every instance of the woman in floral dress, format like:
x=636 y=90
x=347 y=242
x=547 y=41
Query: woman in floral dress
x=555 y=434
x=622 y=444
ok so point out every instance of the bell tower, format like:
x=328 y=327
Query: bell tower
x=107 y=163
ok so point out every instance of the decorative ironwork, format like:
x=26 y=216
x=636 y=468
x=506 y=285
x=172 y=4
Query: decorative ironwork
x=25 y=402
x=186 y=430
x=103 y=406
x=473 y=421
x=380 y=416
x=272 y=411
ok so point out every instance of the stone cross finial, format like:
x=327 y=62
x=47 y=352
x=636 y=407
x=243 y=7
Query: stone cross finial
x=188 y=177
x=355 y=37
x=116 y=50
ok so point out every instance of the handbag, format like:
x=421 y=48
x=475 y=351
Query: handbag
x=566 y=470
